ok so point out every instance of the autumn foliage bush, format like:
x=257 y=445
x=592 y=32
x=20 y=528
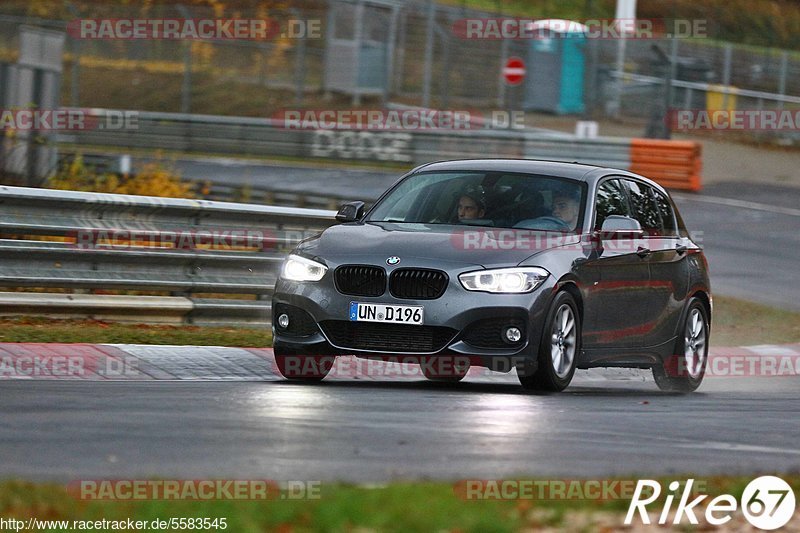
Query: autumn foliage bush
x=152 y=179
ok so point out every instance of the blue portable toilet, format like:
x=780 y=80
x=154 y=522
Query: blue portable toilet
x=556 y=66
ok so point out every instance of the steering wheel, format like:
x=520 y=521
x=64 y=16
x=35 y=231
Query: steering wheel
x=547 y=222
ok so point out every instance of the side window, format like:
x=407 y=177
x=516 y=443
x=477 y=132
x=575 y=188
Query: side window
x=667 y=216
x=644 y=208
x=611 y=200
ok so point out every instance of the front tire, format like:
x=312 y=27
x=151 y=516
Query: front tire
x=301 y=367
x=684 y=371
x=558 y=350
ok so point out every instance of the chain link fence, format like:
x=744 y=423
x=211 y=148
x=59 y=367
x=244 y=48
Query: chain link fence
x=403 y=51
x=180 y=75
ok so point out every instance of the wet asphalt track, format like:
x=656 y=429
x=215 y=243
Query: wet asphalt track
x=373 y=431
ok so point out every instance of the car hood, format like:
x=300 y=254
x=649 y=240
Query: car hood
x=374 y=243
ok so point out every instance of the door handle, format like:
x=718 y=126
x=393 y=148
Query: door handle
x=642 y=252
x=681 y=249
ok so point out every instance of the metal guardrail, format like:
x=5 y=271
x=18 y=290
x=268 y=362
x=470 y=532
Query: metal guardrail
x=269 y=137
x=267 y=195
x=263 y=194
x=188 y=261
x=710 y=87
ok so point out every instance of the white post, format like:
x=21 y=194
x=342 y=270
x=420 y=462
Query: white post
x=626 y=11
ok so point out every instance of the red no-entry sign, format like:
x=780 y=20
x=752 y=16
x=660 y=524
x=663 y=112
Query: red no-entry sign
x=514 y=71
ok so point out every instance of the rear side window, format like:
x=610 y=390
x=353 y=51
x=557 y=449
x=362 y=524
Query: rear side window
x=664 y=207
x=611 y=200
x=644 y=208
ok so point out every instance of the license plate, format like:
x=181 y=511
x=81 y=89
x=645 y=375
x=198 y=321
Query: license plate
x=396 y=314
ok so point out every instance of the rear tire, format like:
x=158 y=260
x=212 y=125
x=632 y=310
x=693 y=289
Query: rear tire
x=684 y=371
x=301 y=367
x=558 y=350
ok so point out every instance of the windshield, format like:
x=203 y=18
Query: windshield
x=493 y=199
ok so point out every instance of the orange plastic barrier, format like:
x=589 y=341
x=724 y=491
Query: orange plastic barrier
x=673 y=164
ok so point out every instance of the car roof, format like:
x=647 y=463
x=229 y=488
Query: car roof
x=576 y=171
x=555 y=168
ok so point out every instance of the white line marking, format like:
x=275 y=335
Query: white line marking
x=734 y=447
x=739 y=203
x=770 y=349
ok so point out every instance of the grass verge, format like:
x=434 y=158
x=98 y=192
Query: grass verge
x=741 y=323
x=402 y=506
x=38 y=329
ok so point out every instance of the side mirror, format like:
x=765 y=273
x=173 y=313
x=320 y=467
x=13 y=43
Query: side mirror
x=350 y=212
x=620 y=227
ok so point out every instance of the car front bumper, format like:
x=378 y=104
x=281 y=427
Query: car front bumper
x=460 y=322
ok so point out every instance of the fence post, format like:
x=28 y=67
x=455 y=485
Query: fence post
x=444 y=100
x=390 y=54
x=76 y=62
x=34 y=139
x=262 y=70
x=401 y=55
x=358 y=34
x=673 y=70
x=726 y=73
x=501 y=85
x=75 y=96
x=782 y=77
x=299 y=70
x=428 y=67
x=186 y=89
x=621 y=45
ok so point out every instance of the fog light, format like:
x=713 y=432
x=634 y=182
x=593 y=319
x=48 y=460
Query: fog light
x=283 y=321
x=513 y=334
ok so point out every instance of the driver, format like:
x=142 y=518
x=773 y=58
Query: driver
x=471 y=203
x=566 y=207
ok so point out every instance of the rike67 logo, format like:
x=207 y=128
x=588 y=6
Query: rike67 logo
x=768 y=503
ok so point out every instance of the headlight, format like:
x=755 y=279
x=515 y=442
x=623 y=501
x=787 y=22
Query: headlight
x=504 y=280
x=297 y=268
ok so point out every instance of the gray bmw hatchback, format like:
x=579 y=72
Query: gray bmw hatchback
x=533 y=266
